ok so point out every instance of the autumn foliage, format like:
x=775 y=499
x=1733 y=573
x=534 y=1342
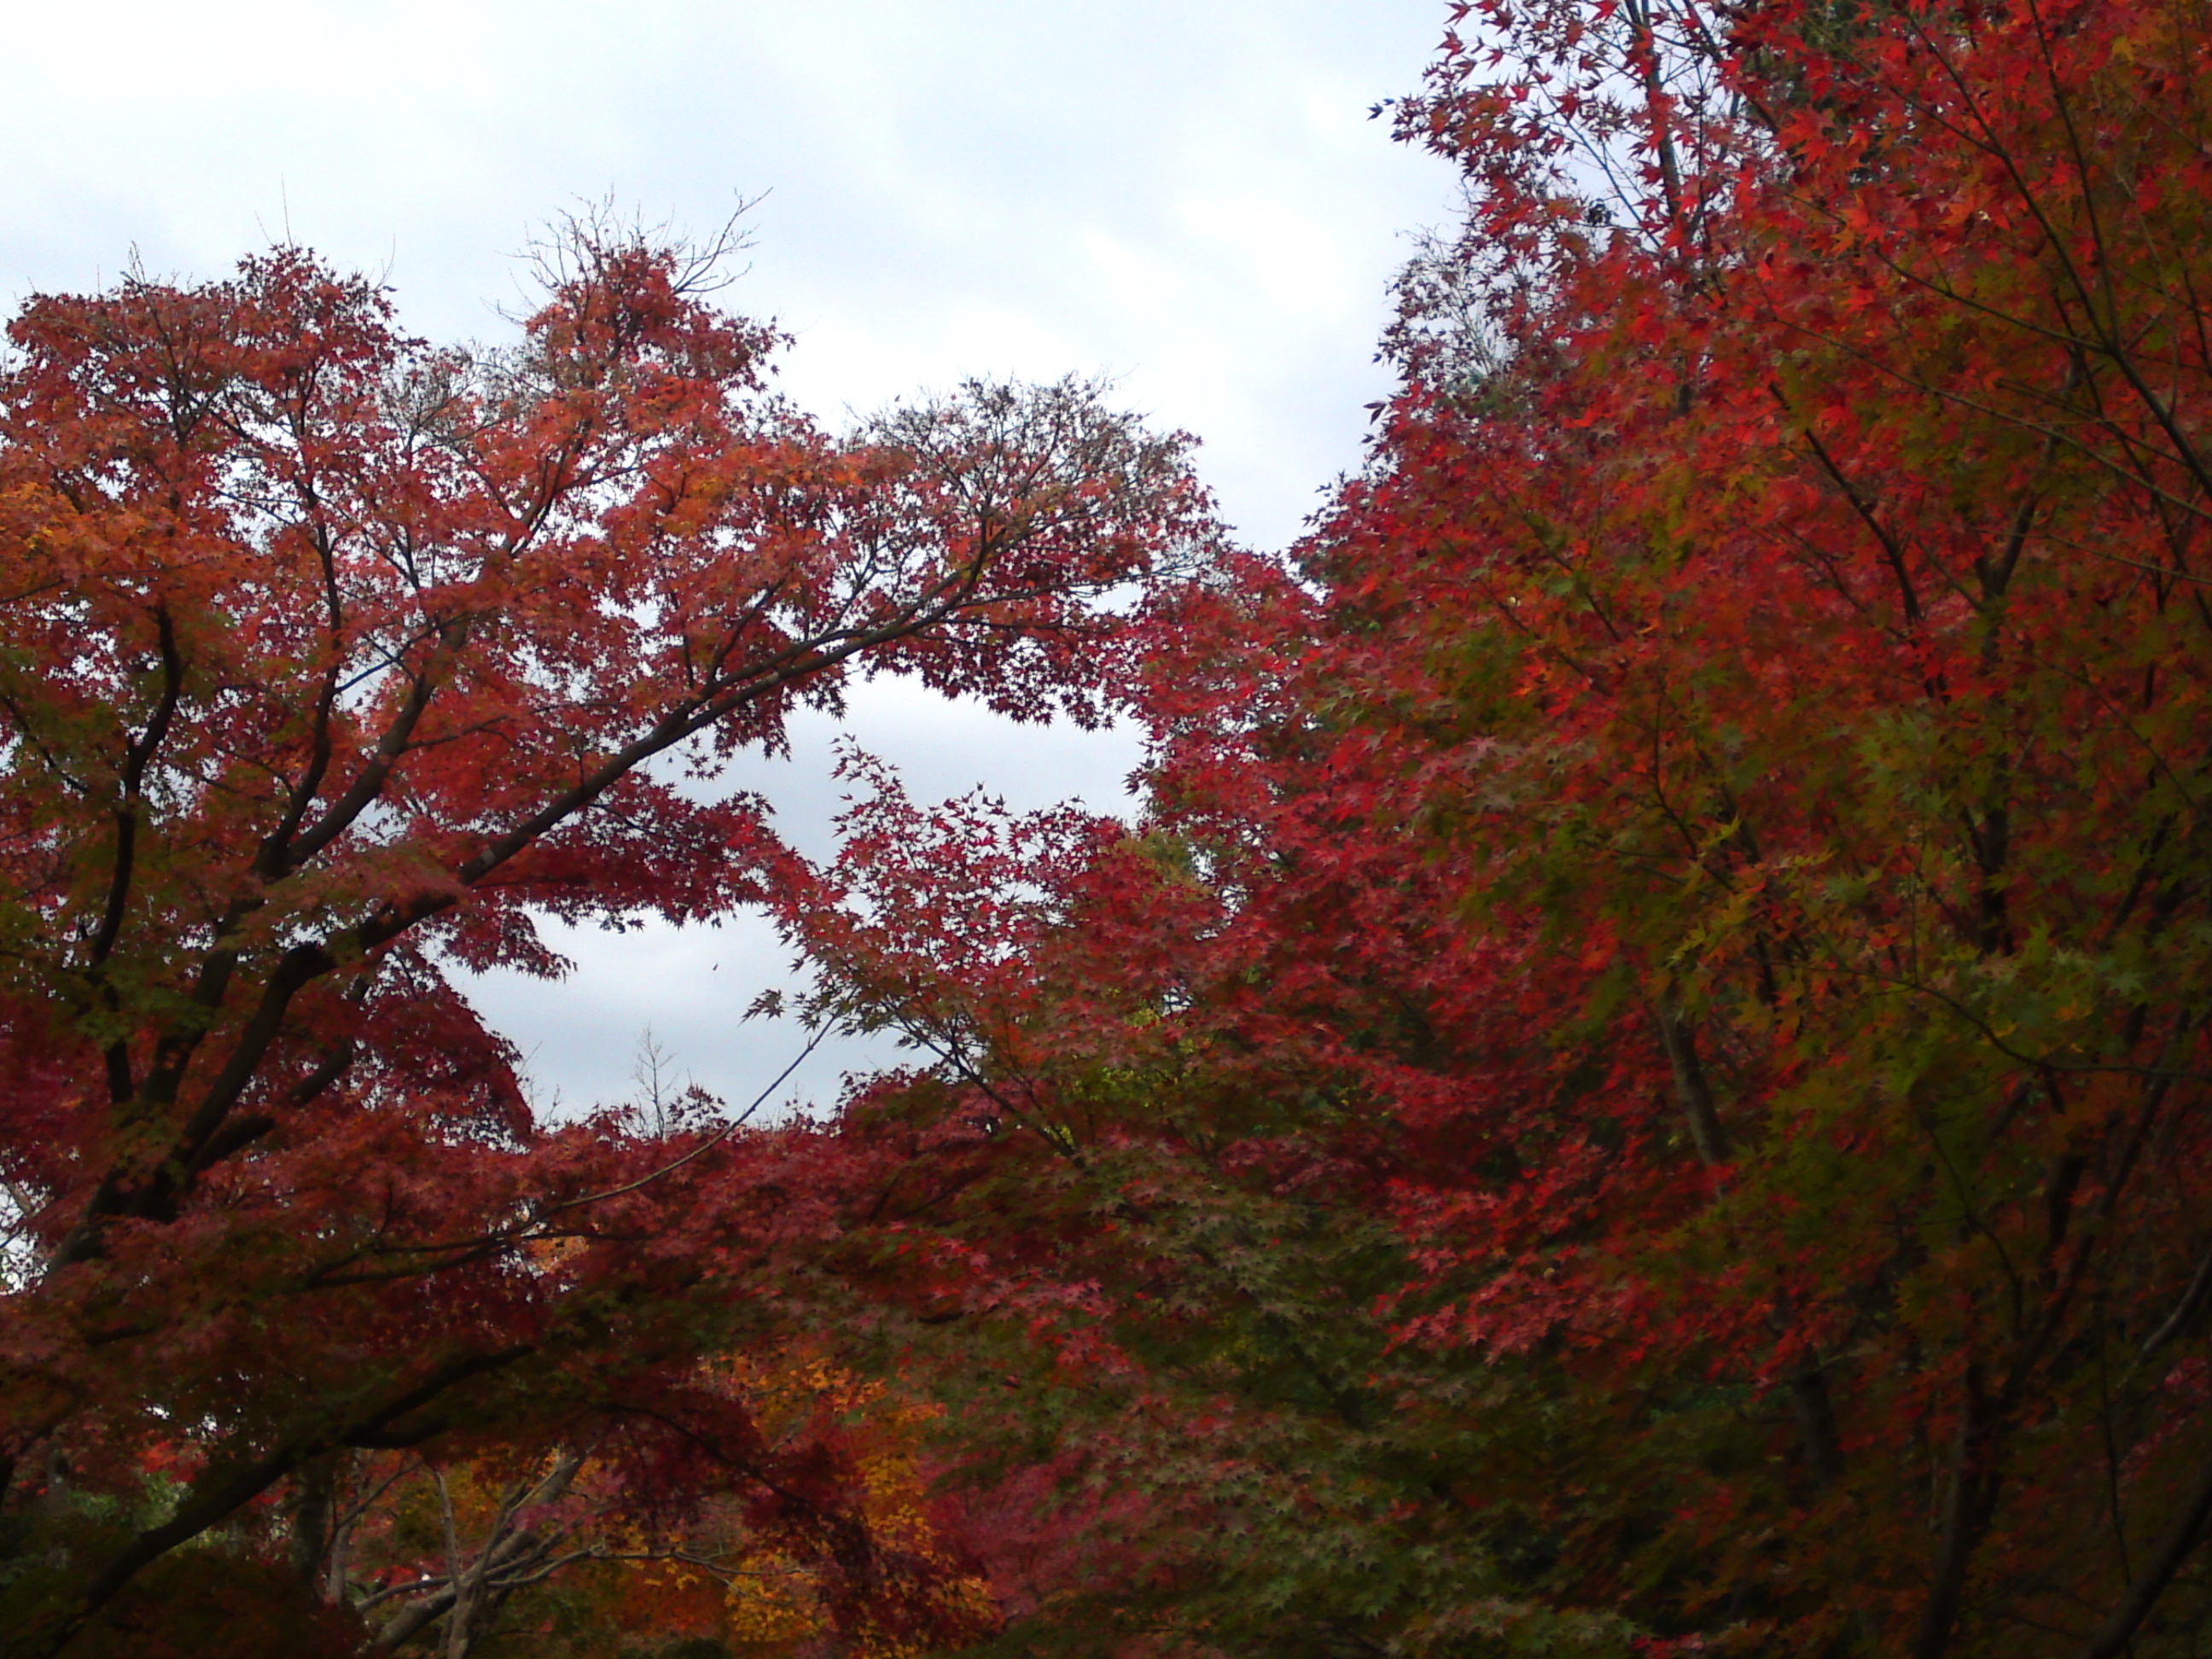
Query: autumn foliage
x=1643 y=1086
x=331 y=659
x=1640 y=1087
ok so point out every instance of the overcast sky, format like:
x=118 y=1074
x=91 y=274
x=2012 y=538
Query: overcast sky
x=1189 y=196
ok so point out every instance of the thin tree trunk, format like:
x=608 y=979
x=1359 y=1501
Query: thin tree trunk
x=2182 y=1537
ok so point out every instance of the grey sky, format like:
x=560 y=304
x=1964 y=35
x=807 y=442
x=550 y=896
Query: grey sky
x=1190 y=197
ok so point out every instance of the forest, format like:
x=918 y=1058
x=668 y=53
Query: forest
x=1640 y=1084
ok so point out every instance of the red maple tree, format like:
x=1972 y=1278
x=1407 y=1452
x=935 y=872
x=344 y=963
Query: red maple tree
x=329 y=659
x=1644 y=1085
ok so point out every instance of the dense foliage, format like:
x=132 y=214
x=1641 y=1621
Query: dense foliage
x=1640 y=1088
x=328 y=659
x=1644 y=1085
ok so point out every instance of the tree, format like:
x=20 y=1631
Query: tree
x=1712 y=864
x=328 y=657
x=557 y=1554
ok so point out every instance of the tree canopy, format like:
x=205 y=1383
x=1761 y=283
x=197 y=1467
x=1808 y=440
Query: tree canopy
x=1639 y=1087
